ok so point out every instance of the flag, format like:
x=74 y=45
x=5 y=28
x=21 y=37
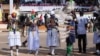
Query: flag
x=0 y=15
x=71 y=1
x=72 y=4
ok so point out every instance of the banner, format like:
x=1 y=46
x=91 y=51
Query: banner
x=39 y=8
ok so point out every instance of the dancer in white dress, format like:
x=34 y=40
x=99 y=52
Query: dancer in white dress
x=53 y=39
x=33 y=37
x=13 y=35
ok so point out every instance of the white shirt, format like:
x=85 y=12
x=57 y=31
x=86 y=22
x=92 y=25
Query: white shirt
x=81 y=24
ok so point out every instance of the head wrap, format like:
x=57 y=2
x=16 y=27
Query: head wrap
x=14 y=14
x=52 y=12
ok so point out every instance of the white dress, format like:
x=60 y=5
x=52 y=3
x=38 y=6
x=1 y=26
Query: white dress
x=53 y=38
x=96 y=38
x=33 y=39
x=14 y=38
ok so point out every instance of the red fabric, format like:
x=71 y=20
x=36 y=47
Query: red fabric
x=14 y=15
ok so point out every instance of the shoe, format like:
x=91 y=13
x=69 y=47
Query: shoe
x=23 y=45
x=40 y=47
x=49 y=54
x=30 y=52
x=56 y=54
x=53 y=54
x=84 y=51
x=80 y=52
x=95 y=53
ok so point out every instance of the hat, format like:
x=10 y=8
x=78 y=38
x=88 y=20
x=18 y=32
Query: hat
x=52 y=12
x=32 y=11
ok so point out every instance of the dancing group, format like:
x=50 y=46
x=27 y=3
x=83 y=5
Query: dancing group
x=77 y=28
x=14 y=36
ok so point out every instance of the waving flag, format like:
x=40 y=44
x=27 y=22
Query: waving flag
x=71 y=1
x=71 y=4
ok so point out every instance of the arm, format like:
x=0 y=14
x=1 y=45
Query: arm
x=86 y=22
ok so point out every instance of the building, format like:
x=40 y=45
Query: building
x=40 y=5
x=28 y=3
x=5 y=8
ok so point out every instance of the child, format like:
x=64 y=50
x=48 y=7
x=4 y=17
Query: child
x=70 y=40
x=33 y=37
x=14 y=35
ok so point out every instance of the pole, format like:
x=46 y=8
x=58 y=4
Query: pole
x=11 y=6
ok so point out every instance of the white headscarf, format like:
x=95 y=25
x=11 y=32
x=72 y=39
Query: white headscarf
x=52 y=12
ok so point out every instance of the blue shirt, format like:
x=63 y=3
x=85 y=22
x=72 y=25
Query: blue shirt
x=81 y=25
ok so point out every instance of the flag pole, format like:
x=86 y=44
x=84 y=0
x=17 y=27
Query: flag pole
x=11 y=6
x=71 y=3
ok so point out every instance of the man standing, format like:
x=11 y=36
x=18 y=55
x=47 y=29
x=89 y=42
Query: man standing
x=81 y=31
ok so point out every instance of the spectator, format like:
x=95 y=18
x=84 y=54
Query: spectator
x=33 y=37
x=22 y=19
x=81 y=31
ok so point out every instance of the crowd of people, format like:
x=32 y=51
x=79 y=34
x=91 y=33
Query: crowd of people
x=76 y=28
